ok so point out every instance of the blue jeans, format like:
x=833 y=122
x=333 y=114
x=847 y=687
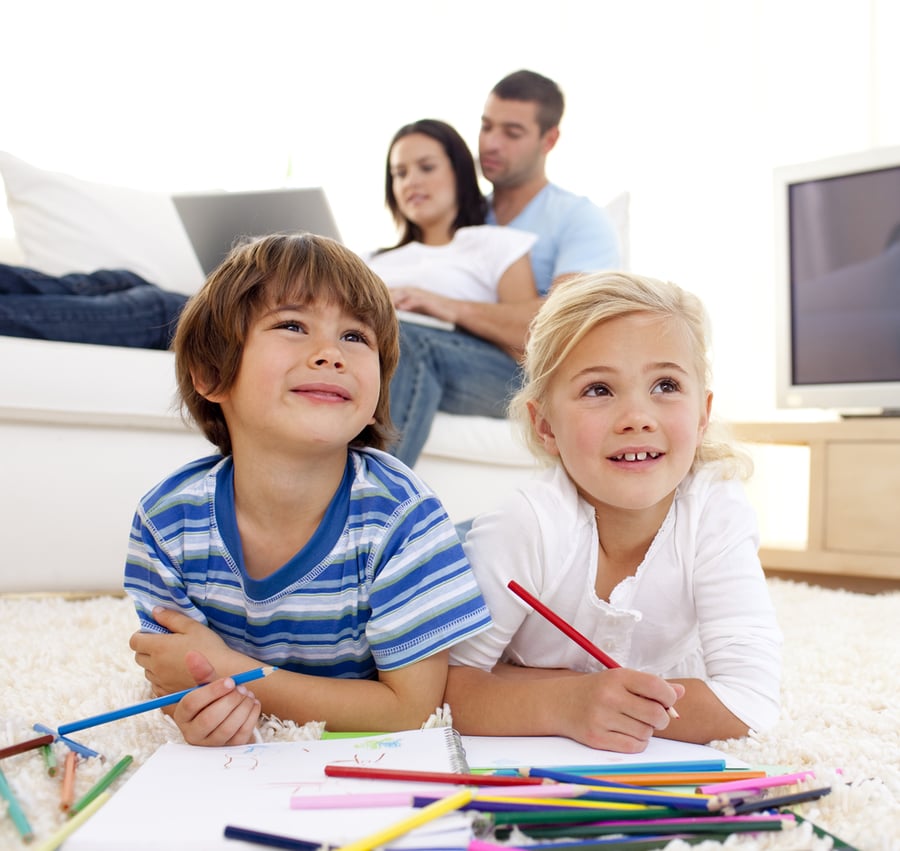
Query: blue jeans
x=449 y=371
x=110 y=307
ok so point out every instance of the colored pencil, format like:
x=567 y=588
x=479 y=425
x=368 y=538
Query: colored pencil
x=74 y=823
x=423 y=816
x=15 y=811
x=49 y=759
x=337 y=802
x=715 y=826
x=67 y=789
x=21 y=747
x=156 y=703
x=101 y=785
x=271 y=840
x=360 y=771
x=671 y=766
x=688 y=778
x=753 y=805
x=754 y=783
x=579 y=638
x=81 y=750
x=636 y=795
x=619 y=812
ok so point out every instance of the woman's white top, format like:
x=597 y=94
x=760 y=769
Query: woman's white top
x=697 y=606
x=467 y=268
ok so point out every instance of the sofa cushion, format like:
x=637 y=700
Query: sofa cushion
x=64 y=225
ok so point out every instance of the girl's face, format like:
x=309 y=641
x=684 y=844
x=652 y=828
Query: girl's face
x=625 y=413
x=308 y=382
x=424 y=185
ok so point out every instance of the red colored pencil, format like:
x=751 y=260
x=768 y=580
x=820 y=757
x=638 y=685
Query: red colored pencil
x=21 y=747
x=431 y=776
x=579 y=638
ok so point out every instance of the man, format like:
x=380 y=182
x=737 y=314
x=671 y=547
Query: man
x=474 y=369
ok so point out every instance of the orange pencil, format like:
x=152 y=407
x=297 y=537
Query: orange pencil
x=685 y=778
x=67 y=796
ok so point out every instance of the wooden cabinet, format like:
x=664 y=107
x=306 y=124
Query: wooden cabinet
x=854 y=496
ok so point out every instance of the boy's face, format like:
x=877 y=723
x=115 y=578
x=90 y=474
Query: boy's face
x=309 y=380
x=625 y=413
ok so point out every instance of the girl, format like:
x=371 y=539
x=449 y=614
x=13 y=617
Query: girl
x=638 y=535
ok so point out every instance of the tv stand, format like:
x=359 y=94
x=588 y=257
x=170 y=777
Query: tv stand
x=872 y=415
x=854 y=494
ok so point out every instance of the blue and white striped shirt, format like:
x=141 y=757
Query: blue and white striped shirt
x=382 y=583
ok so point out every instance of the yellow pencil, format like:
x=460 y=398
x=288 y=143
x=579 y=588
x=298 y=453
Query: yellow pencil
x=74 y=823
x=426 y=814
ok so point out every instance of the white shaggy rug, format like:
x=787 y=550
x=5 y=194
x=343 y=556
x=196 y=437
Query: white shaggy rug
x=65 y=660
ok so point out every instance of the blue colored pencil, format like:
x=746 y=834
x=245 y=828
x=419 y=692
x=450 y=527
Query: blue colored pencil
x=643 y=767
x=633 y=795
x=71 y=744
x=156 y=703
x=271 y=840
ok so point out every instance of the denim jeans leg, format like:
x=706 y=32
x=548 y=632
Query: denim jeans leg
x=108 y=307
x=449 y=371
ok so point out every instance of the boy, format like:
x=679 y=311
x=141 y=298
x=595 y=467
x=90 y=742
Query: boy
x=302 y=545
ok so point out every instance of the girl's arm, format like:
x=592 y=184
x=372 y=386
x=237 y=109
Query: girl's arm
x=617 y=710
x=739 y=634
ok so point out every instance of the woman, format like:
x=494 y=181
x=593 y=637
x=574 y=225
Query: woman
x=446 y=254
x=446 y=266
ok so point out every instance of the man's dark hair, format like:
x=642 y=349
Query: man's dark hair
x=531 y=86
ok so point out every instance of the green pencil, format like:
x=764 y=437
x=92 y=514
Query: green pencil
x=49 y=759
x=101 y=785
x=14 y=808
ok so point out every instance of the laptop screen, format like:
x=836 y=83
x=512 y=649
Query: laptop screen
x=215 y=221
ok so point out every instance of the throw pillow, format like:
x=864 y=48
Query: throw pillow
x=65 y=225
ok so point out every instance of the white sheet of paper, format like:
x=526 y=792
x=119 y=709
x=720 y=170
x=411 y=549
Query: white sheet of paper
x=550 y=751
x=184 y=796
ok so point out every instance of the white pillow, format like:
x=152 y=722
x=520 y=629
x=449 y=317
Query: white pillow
x=64 y=225
x=619 y=211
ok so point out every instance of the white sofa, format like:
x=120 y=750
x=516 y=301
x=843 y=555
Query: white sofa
x=86 y=430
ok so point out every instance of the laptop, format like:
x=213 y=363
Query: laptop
x=214 y=221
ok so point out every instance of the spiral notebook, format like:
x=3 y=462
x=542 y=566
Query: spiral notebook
x=184 y=796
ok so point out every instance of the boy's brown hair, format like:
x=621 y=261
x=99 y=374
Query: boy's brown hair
x=277 y=269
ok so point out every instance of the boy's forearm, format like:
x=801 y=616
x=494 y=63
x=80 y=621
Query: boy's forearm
x=399 y=700
x=507 y=702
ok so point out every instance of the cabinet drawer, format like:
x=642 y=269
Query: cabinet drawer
x=862 y=497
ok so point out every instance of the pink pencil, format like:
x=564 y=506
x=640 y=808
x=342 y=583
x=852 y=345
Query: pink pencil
x=333 y=802
x=757 y=783
x=579 y=638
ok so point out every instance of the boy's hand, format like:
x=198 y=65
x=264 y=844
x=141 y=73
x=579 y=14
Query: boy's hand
x=163 y=657
x=221 y=713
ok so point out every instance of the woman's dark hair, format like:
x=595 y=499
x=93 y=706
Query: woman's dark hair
x=472 y=205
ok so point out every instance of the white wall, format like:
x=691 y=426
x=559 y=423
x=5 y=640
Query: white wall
x=689 y=105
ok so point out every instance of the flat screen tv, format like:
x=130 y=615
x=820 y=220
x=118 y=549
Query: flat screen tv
x=838 y=276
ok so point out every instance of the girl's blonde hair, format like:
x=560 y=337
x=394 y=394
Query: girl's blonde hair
x=577 y=305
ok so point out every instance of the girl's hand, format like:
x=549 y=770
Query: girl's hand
x=617 y=710
x=221 y=713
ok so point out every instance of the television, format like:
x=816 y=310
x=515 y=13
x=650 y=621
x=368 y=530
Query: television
x=837 y=236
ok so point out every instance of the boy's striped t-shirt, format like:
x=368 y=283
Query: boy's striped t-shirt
x=382 y=583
